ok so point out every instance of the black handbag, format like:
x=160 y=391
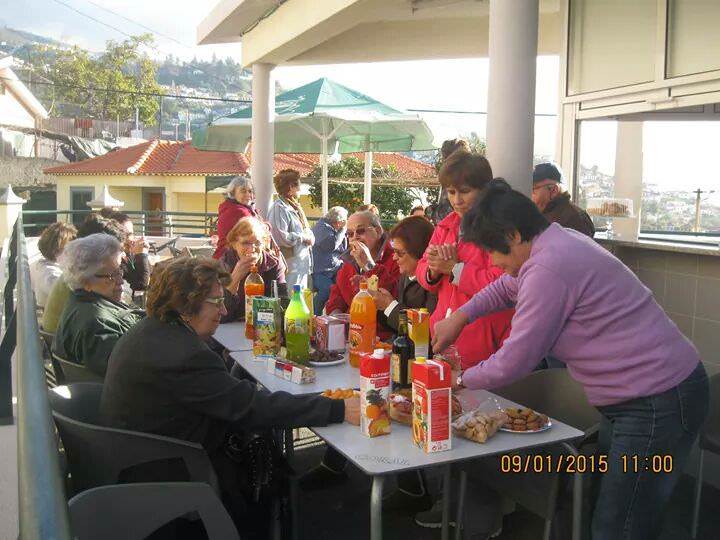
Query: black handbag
x=262 y=470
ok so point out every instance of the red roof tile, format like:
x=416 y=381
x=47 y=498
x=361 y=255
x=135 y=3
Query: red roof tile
x=159 y=157
x=181 y=158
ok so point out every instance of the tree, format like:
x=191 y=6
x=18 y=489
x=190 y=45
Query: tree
x=388 y=199
x=108 y=86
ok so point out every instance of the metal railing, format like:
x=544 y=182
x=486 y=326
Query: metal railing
x=42 y=505
x=146 y=222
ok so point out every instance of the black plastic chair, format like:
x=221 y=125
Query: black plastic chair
x=134 y=511
x=53 y=374
x=555 y=393
x=74 y=373
x=709 y=441
x=99 y=456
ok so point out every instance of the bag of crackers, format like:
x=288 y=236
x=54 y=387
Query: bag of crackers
x=481 y=423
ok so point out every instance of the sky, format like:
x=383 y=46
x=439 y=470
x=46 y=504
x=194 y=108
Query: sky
x=672 y=150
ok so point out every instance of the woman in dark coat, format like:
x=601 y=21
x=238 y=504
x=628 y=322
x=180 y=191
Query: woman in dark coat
x=409 y=240
x=248 y=245
x=162 y=378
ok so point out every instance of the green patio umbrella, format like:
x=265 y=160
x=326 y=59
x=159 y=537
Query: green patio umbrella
x=321 y=116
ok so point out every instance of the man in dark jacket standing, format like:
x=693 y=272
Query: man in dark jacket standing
x=555 y=204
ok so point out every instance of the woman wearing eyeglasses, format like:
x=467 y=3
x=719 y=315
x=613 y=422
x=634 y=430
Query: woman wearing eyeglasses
x=409 y=240
x=248 y=245
x=94 y=318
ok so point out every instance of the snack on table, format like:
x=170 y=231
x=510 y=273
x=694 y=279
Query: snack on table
x=523 y=419
x=339 y=393
x=401 y=406
x=321 y=356
x=372 y=283
x=479 y=426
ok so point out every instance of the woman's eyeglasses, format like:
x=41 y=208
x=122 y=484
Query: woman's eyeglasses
x=117 y=275
x=252 y=245
x=357 y=232
x=217 y=301
x=399 y=253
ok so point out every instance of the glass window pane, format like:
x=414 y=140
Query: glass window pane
x=693 y=37
x=680 y=158
x=596 y=163
x=612 y=44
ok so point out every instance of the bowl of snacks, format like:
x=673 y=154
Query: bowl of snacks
x=524 y=420
x=320 y=358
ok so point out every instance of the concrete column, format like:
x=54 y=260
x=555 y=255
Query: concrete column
x=511 y=90
x=263 y=135
x=628 y=175
x=10 y=208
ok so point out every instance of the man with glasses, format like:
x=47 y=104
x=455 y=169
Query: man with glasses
x=370 y=254
x=555 y=204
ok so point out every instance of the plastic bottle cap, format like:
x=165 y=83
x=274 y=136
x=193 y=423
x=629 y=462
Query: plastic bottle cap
x=379 y=353
x=420 y=359
x=363 y=285
x=297 y=288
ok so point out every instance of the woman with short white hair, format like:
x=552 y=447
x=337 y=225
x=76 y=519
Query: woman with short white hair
x=94 y=318
x=330 y=243
x=239 y=203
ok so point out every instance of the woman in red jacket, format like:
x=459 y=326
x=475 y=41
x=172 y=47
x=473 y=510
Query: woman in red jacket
x=238 y=203
x=454 y=269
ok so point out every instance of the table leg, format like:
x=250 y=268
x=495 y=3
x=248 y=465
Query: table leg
x=577 y=506
x=460 y=505
x=376 y=508
x=447 y=495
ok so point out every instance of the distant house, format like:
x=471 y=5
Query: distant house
x=18 y=106
x=154 y=175
x=175 y=177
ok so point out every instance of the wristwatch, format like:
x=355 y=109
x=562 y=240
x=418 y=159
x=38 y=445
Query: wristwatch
x=369 y=266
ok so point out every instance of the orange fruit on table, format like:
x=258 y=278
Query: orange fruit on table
x=373 y=412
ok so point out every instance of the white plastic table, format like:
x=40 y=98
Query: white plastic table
x=395 y=453
x=232 y=336
x=341 y=376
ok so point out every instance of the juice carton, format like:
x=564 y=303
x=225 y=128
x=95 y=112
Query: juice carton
x=431 y=392
x=329 y=334
x=374 y=393
x=267 y=324
x=419 y=330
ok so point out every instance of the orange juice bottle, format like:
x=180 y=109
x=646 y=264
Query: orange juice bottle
x=254 y=286
x=363 y=325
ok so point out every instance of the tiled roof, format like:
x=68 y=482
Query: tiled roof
x=181 y=158
x=159 y=157
x=407 y=167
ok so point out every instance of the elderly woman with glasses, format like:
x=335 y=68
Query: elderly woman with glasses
x=94 y=318
x=164 y=379
x=248 y=246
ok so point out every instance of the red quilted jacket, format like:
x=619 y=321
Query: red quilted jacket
x=482 y=338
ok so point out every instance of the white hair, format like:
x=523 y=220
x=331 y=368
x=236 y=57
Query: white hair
x=237 y=182
x=82 y=258
x=371 y=217
x=336 y=214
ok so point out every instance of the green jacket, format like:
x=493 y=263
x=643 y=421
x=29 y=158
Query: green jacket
x=90 y=326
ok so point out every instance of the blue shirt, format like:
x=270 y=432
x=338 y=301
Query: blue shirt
x=329 y=245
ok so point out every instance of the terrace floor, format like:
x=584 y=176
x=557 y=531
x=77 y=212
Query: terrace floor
x=343 y=513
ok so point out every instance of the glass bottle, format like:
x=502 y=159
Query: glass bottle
x=403 y=354
x=297 y=328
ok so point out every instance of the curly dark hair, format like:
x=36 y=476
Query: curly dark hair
x=182 y=285
x=94 y=223
x=54 y=238
x=286 y=179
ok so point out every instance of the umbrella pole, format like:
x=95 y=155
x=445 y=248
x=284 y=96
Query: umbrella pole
x=324 y=164
x=367 y=191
